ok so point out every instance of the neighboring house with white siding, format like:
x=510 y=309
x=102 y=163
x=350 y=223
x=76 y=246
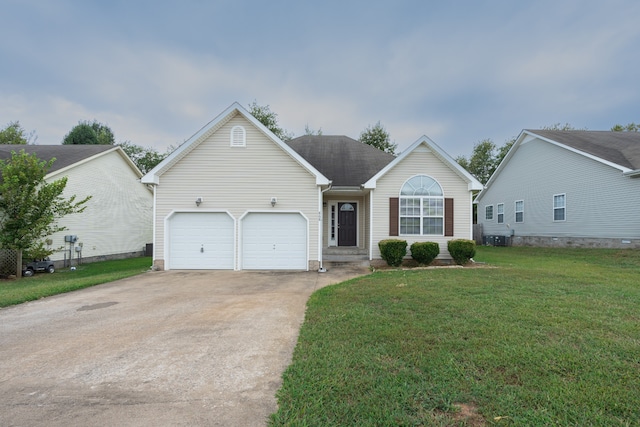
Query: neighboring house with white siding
x=565 y=188
x=117 y=220
x=235 y=196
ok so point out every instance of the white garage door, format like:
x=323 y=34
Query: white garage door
x=274 y=241
x=201 y=241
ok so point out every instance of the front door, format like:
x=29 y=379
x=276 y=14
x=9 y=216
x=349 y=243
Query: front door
x=347 y=228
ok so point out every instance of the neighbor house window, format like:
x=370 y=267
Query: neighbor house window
x=488 y=212
x=500 y=213
x=520 y=211
x=238 y=137
x=559 y=207
x=421 y=207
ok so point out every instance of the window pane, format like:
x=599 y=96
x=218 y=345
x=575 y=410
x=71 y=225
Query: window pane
x=520 y=216
x=409 y=207
x=421 y=185
x=488 y=212
x=500 y=218
x=409 y=225
x=432 y=226
x=558 y=201
x=558 y=214
x=432 y=207
x=500 y=208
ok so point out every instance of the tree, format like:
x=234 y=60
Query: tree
x=144 y=158
x=482 y=162
x=14 y=133
x=378 y=137
x=30 y=206
x=270 y=119
x=631 y=127
x=309 y=131
x=89 y=133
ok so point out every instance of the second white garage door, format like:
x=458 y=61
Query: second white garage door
x=201 y=241
x=274 y=241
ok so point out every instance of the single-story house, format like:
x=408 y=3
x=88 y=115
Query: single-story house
x=117 y=221
x=235 y=196
x=565 y=188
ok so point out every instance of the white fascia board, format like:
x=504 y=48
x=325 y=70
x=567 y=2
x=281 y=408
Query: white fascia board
x=632 y=173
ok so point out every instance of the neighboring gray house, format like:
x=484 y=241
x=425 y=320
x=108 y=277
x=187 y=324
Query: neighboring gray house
x=235 y=196
x=117 y=220
x=565 y=188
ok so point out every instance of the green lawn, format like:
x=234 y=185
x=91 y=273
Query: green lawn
x=64 y=280
x=537 y=337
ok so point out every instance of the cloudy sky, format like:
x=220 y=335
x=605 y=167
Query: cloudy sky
x=456 y=71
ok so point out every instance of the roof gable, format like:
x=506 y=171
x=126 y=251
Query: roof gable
x=345 y=161
x=153 y=176
x=66 y=156
x=473 y=183
x=620 y=150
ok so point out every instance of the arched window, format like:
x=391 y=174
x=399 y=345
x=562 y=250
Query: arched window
x=421 y=207
x=238 y=137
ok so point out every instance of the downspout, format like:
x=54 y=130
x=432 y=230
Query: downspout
x=371 y=225
x=153 y=252
x=321 y=226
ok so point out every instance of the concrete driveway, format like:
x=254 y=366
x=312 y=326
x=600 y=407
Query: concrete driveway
x=164 y=348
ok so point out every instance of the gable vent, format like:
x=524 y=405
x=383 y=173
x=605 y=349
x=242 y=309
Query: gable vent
x=238 y=137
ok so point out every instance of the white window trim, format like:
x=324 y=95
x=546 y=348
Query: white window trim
x=516 y=211
x=486 y=211
x=498 y=213
x=233 y=142
x=564 y=207
x=421 y=197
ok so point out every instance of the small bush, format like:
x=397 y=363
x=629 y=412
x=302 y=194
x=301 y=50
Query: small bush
x=461 y=250
x=393 y=251
x=425 y=252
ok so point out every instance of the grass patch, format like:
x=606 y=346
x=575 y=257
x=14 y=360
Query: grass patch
x=549 y=337
x=43 y=284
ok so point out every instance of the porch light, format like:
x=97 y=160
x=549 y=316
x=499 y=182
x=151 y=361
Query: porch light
x=274 y=200
x=199 y=201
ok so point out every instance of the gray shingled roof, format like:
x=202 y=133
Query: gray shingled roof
x=343 y=160
x=621 y=148
x=65 y=155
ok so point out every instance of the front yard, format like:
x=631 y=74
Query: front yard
x=66 y=280
x=536 y=337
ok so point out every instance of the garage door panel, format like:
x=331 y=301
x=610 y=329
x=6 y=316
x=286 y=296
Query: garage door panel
x=201 y=241
x=274 y=241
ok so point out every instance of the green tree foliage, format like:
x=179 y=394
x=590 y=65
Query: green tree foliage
x=309 y=131
x=631 y=127
x=482 y=162
x=270 y=120
x=89 y=133
x=378 y=137
x=14 y=133
x=30 y=206
x=144 y=158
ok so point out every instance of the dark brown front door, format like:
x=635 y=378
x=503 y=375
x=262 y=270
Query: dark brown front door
x=347 y=224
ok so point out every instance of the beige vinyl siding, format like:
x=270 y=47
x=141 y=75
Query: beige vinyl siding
x=600 y=201
x=237 y=180
x=421 y=162
x=119 y=216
